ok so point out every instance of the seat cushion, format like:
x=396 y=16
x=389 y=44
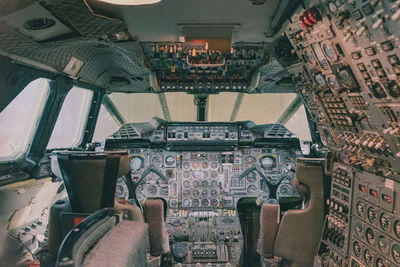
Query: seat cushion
x=127 y=244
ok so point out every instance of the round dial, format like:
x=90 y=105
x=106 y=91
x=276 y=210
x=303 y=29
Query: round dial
x=361 y=209
x=357 y=249
x=214 y=174
x=186 y=193
x=267 y=163
x=196 y=174
x=170 y=161
x=308 y=56
x=214 y=165
x=196 y=165
x=196 y=183
x=329 y=52
x=396 y=228
x=186 y=174
x=121 y=189
x=204 y=165
x=214 y=202
x=186 y=202
x=186 y=165
x=252 y=177
x=250 y=161
x=370 y=236
x=151 y=190
x=195 y=202
x=368 y=257
x=358 y=227
x=214 y=183
x=204 y=202
x=157 y=161
x=251 y=189
x=196 y=193
x=385 y=222
x=204 y=192
x=173 y=203
x=136 y=163
x=284 y=190
x=186 y=184
x=204 y=174
x=383 y=245
x=333 y=83
x=396 y=253
x=204 y=183
x=372 y=214
x=214 y=192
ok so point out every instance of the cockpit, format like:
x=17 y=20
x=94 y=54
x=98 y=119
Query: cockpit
x=172 y=133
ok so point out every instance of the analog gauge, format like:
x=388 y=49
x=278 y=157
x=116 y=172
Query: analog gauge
x=396 y=253
x=251 y=189
x=358 y=228
x=368 y=257
x=308 y=56
x=357 y=249
x=121 y=190
x=204 y=165
x=204 y=183
x=136 y=163
x=196 y=165
x=252 y=177
x=196 y=193
x=151 y=190
x=214 y=165
x=250 y=161
x=214 y=174
x=204 y=192
x=157 y=161
x=272 y=201
x=214 y=192
x=186 y=165
x=273 y=179
x=385 y=222
x=333 y=83
x=214 y=183
x=372 y=215
x=196 y=174
x=170 y=174
x=186 y=174
x=170 y=161
x=195 y=202
x=204 y=174
x=361 y=209
x=186 y=202
x=267 y=163
x=383 y=245
x=284 y=190
x=320 y=80
x=396 y=228
x=196 y=184
x=346 y=78
x=204 y=202
x=186 y=184
x=329 y=52
x=370 y=236
x=186 y=193
x=214 y=202
x=173 y=203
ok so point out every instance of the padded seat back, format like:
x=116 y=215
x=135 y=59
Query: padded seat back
x=90 y=177
x=300 y=230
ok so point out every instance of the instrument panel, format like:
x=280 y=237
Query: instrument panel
x=211 y=179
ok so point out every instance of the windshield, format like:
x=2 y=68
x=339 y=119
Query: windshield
x=259 y=108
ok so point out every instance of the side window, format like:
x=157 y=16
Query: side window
x=105 y=125
x=71 y=122
x=19 y=120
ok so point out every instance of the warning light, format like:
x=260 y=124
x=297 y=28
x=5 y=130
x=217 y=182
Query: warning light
x=362 y=188
x=373 y=193
x=387 y=198
x=78 y=220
